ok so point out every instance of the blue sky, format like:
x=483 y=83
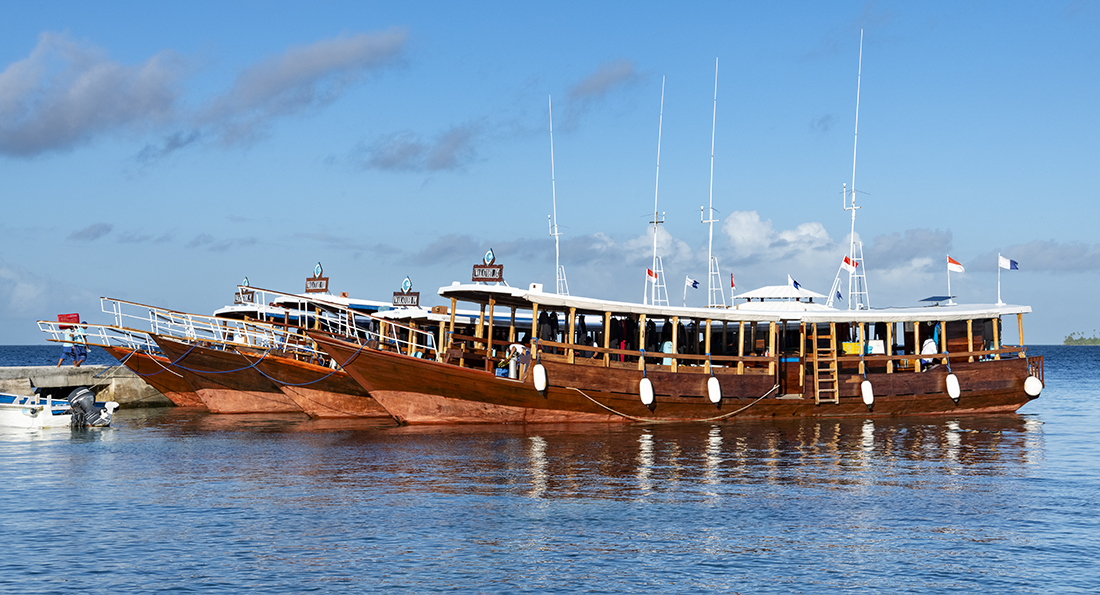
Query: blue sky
x=162 y=152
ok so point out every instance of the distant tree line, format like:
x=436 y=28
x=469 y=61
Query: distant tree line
x=1081 y=339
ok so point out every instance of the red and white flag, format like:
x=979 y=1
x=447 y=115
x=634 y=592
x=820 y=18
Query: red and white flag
x=849 y=265
x=649 y=273
x=732 y=284
x=954 y=266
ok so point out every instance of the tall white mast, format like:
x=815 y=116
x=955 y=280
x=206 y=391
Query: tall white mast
x=562 y=285
x=858 y=298
x=658 y=283
x=714 y=277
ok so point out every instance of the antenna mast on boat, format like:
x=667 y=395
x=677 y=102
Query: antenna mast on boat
x=714 y=277
x=858 y=298
x=658 y=275
x=562 y=286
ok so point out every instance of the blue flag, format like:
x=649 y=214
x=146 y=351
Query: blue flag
x=838 y=295
x=1007 y=263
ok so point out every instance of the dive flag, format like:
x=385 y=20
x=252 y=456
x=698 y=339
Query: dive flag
x=793 y=283
x=692 y=282
x=849 y=265
x=954 y=266
x=1007 y=263
x=650 y=274
x=732 y=284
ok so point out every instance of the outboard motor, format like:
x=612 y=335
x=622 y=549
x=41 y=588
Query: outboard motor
x=84 y=411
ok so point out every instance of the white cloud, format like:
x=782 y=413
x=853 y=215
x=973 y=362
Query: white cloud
x=300 y=78
x=66 y=92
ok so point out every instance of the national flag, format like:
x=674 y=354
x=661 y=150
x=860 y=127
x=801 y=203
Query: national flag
x=793 y=283
x=732 y=284
x=1007 y=263
x=838 y=295
x=849 y=265
x=954 y=266
x=692 y=282
x=650 y=274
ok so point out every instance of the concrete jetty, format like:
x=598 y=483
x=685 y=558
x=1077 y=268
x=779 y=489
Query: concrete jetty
x=109 y=383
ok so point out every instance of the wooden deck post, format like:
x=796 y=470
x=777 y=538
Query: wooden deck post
x=997 y=337
x=512 y=327
x=412 y=338
x=916 y=345
x=740 y=345
x=862 y=348
x=970 y=338
x=479 y=332
x=606 y=338
x=801 y=356
x=773 y=333
x=890 y=347
x=832 y=346
x=489 y=335
x=1020 y=328
x=450 y=337
x=943 y=339
x=569 y=353
x=706 y=343
x=534 y=327
x=675 y=341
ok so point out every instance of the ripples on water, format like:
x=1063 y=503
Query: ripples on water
x=177 y=500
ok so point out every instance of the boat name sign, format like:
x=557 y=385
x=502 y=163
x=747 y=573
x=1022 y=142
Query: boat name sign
x=406 y=297
x=487 y=272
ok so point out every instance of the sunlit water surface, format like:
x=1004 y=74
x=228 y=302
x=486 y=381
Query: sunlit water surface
x=178 y=500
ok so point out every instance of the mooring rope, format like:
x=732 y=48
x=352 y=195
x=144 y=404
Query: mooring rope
x=670 y=421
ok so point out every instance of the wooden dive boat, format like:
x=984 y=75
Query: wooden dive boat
x=226 y=381
x=320 y=391
x=156 y=370
x=136 y=350
x=765 y=360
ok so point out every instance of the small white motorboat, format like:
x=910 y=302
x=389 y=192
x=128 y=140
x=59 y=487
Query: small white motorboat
x=36 y=411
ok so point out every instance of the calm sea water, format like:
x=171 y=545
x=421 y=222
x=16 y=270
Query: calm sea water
x=176 y=500
x=47 y=355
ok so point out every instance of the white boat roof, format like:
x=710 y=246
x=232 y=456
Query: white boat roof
x=526 y=298
x=777 y=292
x=918 y=314
x=768 y=311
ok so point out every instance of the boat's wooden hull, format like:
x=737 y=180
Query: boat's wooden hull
x=319 y=391
x=157 y=371
x=419 y=391
x=226 y=381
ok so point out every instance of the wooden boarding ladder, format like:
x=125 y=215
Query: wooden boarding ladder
x=826 y=386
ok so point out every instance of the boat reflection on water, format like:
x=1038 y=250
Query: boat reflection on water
x=628 y=462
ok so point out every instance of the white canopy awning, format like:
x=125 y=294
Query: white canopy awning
x=777 y=292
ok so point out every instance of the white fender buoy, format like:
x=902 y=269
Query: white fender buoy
x=645 y=389
x=867 y=393
x=1033 y=386
x=539 y=374
x=714 y=390
x=953 y=390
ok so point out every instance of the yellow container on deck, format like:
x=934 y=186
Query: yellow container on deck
x=850 y=347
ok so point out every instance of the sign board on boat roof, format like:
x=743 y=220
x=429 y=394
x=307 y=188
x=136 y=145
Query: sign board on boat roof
x=487 y=271
x=317 y=283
